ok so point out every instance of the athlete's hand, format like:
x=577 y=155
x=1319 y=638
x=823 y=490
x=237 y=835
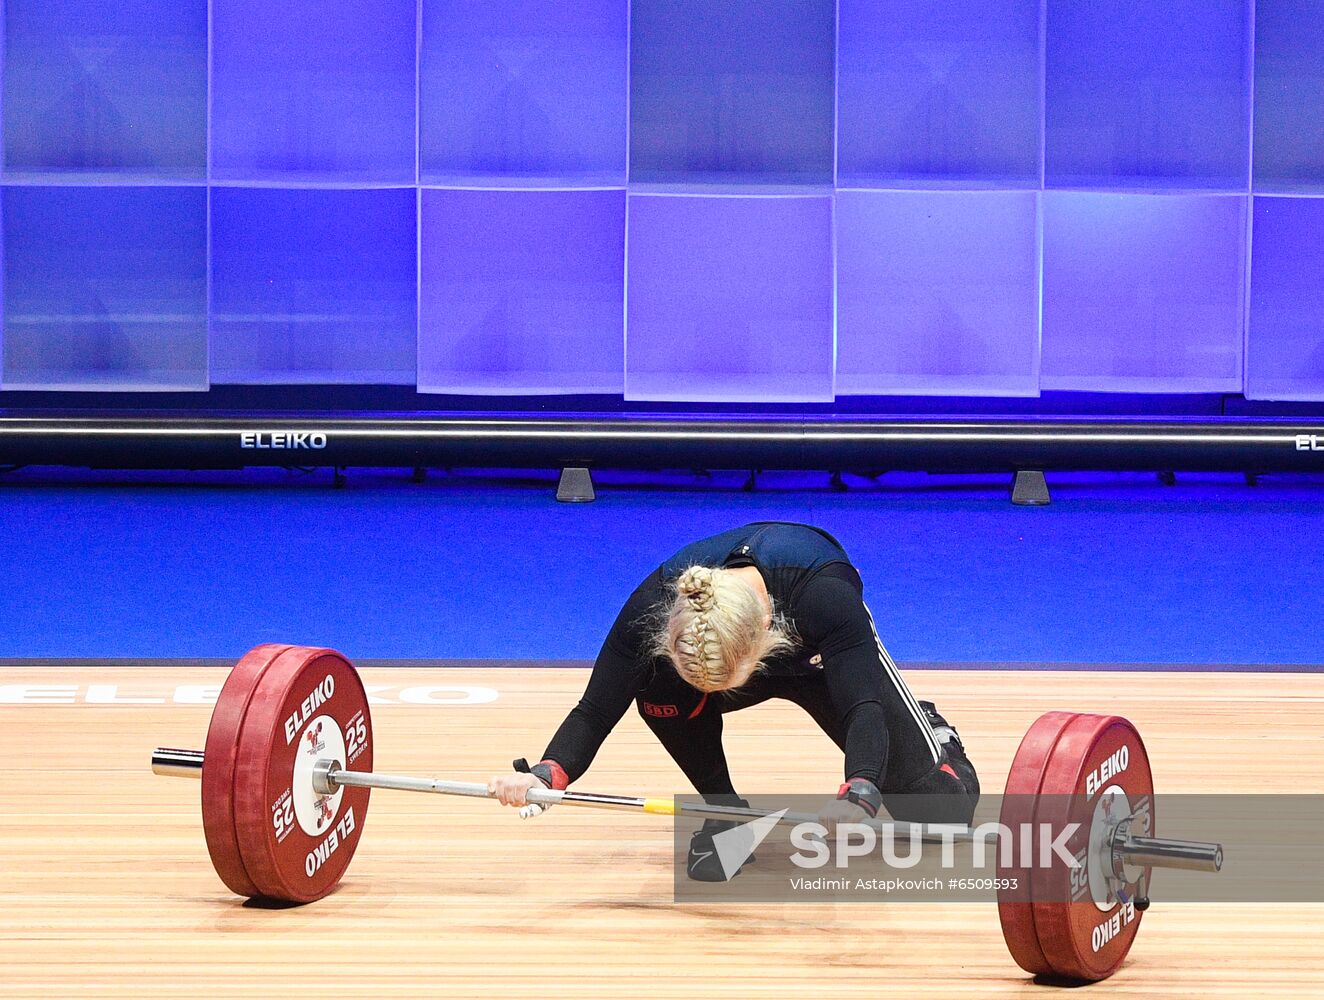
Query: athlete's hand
x=513 y=789
x=857 y=800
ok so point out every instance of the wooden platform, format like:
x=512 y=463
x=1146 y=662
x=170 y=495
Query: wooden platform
x=106 y=889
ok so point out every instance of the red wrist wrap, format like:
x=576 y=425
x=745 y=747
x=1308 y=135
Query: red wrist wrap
x=864 y=793
x=560 y=780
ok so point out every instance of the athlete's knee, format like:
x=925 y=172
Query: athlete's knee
x=964 y=772
x=938 y=797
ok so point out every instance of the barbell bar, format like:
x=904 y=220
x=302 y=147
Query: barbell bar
x=328 y=775
x=287 y=771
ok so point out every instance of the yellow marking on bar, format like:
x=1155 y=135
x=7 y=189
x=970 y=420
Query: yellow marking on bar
x=660 y=807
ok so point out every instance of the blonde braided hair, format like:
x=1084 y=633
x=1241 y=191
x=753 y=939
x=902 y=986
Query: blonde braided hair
x=717 y=632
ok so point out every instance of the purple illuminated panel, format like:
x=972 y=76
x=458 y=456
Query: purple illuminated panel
x=1148 y=94
x=313 y=286
x=1143 y=293
x=1285 y=343
x=931 y=91
x=731 y=93
x=314 y=94
x=1289 y=93
x=105 y=288
x=105 y=90
x=524 y=89
x=937 y=293
x=522 y=292
x=729 y=299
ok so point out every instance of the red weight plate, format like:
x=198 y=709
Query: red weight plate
x=309 y=705
x=1098 y=775
x=1015 y=912
x=221 y=750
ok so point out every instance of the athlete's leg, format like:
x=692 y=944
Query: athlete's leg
x=696 y=746
x=917 y=788
x=688 y=724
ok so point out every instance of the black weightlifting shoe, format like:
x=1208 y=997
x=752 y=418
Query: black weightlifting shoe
x=952 y=746
x=704 y=863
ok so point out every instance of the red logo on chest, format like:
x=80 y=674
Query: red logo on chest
x=661 y=711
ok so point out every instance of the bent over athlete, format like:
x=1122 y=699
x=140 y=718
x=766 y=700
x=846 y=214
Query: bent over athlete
x=768 y=610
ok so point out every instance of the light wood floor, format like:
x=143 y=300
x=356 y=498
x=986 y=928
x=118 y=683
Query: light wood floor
x=106 y=889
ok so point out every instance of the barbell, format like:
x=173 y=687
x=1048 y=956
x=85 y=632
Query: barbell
x=286 y=771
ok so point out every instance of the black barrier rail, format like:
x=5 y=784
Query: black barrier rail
x=234 y=440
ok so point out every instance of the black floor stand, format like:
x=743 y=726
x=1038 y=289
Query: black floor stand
x=1029 y=489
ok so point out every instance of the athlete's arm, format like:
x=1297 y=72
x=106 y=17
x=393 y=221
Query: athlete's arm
x=831 y=617
x=618 y=675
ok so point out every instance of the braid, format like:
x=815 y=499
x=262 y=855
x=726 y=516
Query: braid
x=699 y=642
x=696 y=586
x=716 y=633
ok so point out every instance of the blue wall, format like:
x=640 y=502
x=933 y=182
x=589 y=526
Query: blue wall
x=685 y=200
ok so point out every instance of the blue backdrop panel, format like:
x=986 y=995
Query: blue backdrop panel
x=744 y=98
x=92 y=88
x=313 y=286
x=105 y=288
x=523 y=292
x=322 y=92
x=523 y=90
x=1285 y=342
x=1143 y=293
x=1289 y=93
x=1148 y=94
x=931 y=92
x=937 y=293
x=725 y=92
x=729 y=298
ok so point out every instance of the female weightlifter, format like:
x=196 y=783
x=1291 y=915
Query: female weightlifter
x=769 y=610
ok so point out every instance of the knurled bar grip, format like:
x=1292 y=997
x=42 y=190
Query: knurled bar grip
x=327 y=774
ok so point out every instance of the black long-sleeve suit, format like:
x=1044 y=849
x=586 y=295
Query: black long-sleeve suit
x=839 y=671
